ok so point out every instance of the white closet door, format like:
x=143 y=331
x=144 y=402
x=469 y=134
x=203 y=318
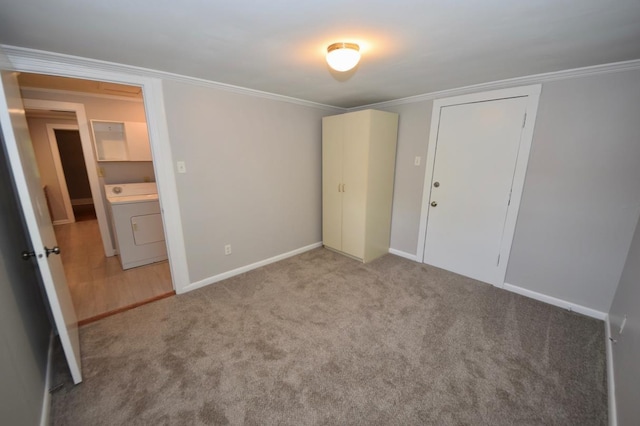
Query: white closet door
x=332 y=139
x=354 y=172
x=475 y=160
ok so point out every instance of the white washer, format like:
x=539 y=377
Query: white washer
x=137 y=223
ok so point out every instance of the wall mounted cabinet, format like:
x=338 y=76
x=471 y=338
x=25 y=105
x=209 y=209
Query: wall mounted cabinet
x=121 y=141
x=358 y=168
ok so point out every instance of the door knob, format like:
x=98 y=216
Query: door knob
x=436 y=184
x=27 y=254
x=433 y=204
x=55 y=250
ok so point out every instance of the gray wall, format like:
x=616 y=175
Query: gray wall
x=413 y=135
x=626 y=353
x=581 y=196
x=253 y=175
x=24 y=327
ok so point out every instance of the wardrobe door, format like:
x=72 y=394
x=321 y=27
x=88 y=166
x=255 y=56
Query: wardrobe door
x=382 y=160
x=354 y=172
x=332 y=141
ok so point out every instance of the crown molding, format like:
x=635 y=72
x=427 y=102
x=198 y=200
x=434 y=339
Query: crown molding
x=510 y=82
x=32 y=60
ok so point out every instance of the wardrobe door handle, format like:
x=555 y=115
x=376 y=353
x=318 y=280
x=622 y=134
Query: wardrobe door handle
x=339 y=188
x=343 y=187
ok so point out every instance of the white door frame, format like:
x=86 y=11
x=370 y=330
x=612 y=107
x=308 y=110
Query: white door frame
x=74 y=67
x=533 y=94
x=57 y=163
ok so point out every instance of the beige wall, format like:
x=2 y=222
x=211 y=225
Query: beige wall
x=44 y=158
x=253 y=175
x=581 y=197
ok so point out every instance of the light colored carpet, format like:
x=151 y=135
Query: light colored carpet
x=320 y=339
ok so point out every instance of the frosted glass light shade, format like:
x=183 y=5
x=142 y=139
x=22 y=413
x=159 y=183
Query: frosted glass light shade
x=343 y=56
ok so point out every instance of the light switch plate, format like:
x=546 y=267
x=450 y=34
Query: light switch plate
x=182 y=168
x=417 y=161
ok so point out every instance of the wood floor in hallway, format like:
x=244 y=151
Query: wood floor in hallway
x=99 y=287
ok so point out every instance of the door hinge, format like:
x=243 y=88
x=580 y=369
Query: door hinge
x=524 y=120
x=498 y=263
x=509 y=202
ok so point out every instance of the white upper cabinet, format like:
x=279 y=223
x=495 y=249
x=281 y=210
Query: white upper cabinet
x=137 y=141
x=110 y=142
x=121 y=141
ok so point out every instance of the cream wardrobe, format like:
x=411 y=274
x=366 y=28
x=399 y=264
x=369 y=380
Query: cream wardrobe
x=358 y=167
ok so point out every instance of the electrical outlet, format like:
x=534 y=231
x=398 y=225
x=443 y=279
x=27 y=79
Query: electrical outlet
x=100 y=172
x=416 y=161
x=227 y=249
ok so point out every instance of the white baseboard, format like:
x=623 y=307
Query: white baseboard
x=403 y=254
x=611 y=385
x=247 y=268
x=46 y=400
x=556 y=302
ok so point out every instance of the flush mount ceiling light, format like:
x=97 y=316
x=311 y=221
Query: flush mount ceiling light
x=343 y=56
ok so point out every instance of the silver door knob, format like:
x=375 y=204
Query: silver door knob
x=433 y=204
x=55 y=250
x=28 y=254
x=436 y=184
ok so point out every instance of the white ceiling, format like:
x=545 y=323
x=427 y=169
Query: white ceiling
x=408 y=47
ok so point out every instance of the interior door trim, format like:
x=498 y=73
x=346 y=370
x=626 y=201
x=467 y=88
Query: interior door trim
x=532 y=92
